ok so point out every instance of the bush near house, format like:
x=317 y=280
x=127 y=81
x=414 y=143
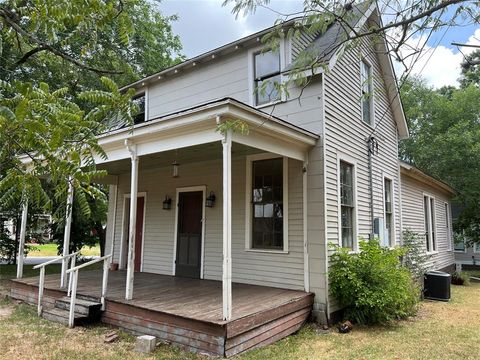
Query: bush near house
x=372 y=286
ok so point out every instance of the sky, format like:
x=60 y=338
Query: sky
x=205 y=24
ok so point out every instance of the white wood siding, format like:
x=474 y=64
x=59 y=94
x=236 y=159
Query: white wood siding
x=230 y=76
x=346 y=134
x=278 y=270
x=413 y=218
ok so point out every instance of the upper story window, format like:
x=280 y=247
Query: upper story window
x=347 y=205
x=388 y=212
x=267 y=203
x=266 y=75
x=367 y=92
x=429 y=213
x=139 y=100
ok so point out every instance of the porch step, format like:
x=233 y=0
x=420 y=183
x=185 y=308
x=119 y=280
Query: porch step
x=88 y=308
x=61 y=316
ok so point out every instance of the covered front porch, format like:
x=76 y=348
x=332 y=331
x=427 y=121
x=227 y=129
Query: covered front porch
x=254 y=233
x=186 y=312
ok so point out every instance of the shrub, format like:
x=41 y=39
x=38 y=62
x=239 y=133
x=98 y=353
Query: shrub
x=371 y=285
x=415 y=258
x=460 y=278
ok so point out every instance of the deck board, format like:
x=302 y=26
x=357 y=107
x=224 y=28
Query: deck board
x=187 y=312
x=190 y=298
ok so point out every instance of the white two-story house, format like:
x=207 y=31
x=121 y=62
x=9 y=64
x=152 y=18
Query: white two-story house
x=251 y=210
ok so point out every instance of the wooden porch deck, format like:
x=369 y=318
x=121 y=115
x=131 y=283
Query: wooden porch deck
x=187 y=312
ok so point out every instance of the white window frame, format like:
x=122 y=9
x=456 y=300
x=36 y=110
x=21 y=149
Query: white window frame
x=432 y=228
x=448 y=225
x=145 y=92
x=251 y=73
x=248 y=202
x=476 y=248
x=349 y=160
x=393 y=240
x=370 y=123
x=122 y=261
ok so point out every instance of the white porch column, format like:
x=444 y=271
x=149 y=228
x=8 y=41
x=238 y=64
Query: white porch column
x=21 y=244
x=227 y=226
x=133 y=219
x=66 y=233
x=306 y=270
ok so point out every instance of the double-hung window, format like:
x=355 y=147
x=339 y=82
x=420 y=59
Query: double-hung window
x=266 y=77
x=429 y=215
x=347 y=205
x=388 y=212
x=448 y=231
x=367 y=92
x=267 y=204
x=139 y=116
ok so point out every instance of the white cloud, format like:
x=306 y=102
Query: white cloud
x=440 y=66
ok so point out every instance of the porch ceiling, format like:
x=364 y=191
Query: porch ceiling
x=198 y=126
x=193 y=154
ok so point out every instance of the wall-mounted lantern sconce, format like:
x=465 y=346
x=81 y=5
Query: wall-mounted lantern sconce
x=175 y=168
x=167 y=203
x=210 y=201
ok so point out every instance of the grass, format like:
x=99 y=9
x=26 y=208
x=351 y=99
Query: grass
x=440 y=331
x=52 y=250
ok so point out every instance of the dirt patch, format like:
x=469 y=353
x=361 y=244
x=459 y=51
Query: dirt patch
x=6 y=311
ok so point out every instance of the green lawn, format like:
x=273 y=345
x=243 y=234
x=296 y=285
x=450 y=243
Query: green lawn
x=440 y=331
x=51 y=250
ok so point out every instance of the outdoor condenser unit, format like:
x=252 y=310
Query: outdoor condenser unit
x=437 y=285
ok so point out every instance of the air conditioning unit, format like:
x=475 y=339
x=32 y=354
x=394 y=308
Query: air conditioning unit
x=437 y=285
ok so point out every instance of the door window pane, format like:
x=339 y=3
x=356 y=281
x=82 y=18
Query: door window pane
x=388 y=213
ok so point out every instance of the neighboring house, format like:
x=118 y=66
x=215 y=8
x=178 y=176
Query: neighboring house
x=467 y=257
x=258 y=209
x=427 y=210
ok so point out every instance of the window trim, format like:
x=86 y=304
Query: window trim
x=370 y=123
x=393 y=240
x=349 y=160
x=476 y=248
x=431 y=227
x=248 y=203
x=251 y=73
x=448 y=225
x=143 y=91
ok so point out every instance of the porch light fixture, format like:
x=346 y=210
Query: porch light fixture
x=167 y=203
x=175 y=168
x=210 y=200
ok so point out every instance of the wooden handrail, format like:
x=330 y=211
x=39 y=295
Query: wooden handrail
x=74 y=273
x=54 y=260
x=41 y=282
x=91 y=262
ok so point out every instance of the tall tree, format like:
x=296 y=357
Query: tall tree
x=444 y=142
x=470 y=69
x=54 y=96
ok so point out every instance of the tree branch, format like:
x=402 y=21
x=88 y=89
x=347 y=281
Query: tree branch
x=27 y=55
x=47 y=47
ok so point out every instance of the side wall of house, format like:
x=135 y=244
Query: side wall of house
x=346 y=138
x=413 y=218
x=469 y=256
x=277 y=270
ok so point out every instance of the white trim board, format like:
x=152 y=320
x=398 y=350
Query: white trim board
x=203 y=189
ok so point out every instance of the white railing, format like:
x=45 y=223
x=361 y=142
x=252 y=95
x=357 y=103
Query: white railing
x=74 y=271
x=41 y=284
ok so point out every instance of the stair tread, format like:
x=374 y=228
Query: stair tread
x=62 y=313
x=80 y=302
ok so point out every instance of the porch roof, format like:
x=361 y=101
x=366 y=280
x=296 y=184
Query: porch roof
x=198 y=125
